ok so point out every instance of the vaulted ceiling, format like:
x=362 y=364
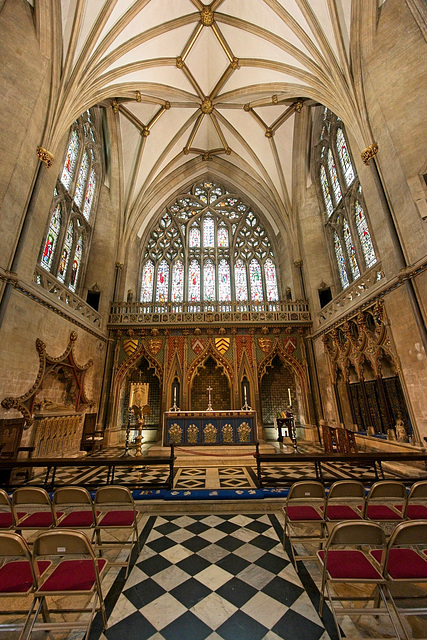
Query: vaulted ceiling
x=222 y=83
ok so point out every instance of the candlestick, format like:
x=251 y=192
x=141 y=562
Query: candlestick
x=290 y=399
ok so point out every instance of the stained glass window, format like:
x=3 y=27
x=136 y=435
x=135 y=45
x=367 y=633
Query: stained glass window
x=52 y=237
x=255 y=280
x=81 y=180
x=147 y=282
x=70 y=160
x=222 y=236
x=340 y=261
x=270 y=280
x=209 y=281
x=364 y=235
x=194 y=238
x=194 y=281
x=90 y=190
x=334 y=177
x=75 y=267
x=240 y=281
x=65 y=256
x=326 y=192
x=351 y=251
x=208 y=232
x=178 y=281
x=162 y=288
x=344 y=155
x=224 y=283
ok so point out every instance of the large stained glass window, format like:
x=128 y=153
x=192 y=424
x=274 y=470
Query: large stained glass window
x=75 y=267
x=364 y=235
x=255 y=281
x=65 y=256
x=351 y=251
x=81 y=180
x=344 y=156
x=162 y=288
x=70 y=160
x=241 y=281
x=52 y=238
x=209 y=281
x=271 y=280
x=224 y=282
x=178 y=281
x=334 y=177
x=325 y=189
x=216 y=247
x=194 y=281
x=90 y=190
x=147 y=282
x=341 y=262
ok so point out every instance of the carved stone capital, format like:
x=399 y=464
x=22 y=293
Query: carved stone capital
x=115 y=106
x=45 y=156
x=369 y=152
x=119 y=265
x=298 y=264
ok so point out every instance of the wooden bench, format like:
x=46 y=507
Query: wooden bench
x=371 y=458
x=108 y=464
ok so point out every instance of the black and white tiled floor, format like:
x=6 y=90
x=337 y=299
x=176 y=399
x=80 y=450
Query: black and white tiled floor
x=213 y=577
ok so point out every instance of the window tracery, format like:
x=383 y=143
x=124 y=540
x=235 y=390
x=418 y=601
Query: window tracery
x=67 y=241
x=346 y=222
x=216 y=249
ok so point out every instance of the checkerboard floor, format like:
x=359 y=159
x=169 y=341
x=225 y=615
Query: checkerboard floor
x=213 y=577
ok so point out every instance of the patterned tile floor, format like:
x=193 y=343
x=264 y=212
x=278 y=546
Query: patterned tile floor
x=213 y=577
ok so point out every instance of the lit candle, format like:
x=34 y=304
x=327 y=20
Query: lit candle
x=290 y=399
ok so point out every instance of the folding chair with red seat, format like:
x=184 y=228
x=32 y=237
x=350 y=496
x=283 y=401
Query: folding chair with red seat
x=404 y=562
x=416 y=502
x=17 y=579
x=75 y=572
x=304 y=509
x=345 y=501
x=115 y=510
x=7 y=516
x=346 y=561
x=37 y=506
x=385 y=501
x=76 y=507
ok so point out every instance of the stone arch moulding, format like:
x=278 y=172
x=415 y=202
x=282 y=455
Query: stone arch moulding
x=75 y=391
x=141 y=352
x=210 y=351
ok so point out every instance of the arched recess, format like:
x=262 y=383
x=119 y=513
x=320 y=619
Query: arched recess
x=174 y=380
x=245 y=371
x=227 y=370
x=298 y=390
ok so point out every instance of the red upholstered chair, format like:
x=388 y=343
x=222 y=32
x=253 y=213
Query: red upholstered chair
x=385 y=501
x=75 y=572
x=115 y=510
x=416 y=503
x=345 y=501
x=17 y=579
x=346 y=560
x=76 y=507
x=37 y=506
x=304 y=517
x=403 y=563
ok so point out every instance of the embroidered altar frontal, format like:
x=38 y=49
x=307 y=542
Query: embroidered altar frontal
x=209 y=427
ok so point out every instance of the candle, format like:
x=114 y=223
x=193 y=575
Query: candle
x=174 y=395
x=290 y=399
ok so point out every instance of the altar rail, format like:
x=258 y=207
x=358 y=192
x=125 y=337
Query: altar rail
x=106 y=466
x=212 y=312
x=370 y=458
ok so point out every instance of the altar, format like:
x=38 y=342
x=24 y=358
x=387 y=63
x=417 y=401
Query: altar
x=209 y=427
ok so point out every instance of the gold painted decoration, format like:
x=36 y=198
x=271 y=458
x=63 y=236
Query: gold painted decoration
x=369 y=153
x=227 y=433
x=244 y=431
x=175 y=433
x=210 y=433
x=45 y=156
x=265 y=344
x=192 y=434
x=130 y=346
x=154 y=345
x=222 y=344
